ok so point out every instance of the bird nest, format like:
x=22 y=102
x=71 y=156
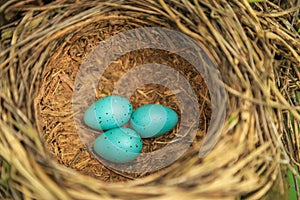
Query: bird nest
x=245 y=88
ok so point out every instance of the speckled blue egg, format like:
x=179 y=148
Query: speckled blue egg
x=108 y=112
x=119 y=145
x=153 y=120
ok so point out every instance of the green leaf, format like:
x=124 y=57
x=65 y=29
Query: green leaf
x=293 y=191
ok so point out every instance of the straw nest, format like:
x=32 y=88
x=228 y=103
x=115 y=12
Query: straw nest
x=255 y=46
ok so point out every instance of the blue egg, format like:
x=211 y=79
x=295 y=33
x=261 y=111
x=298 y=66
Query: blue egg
x=119 y=145
x=108 y=112
x=153 y=120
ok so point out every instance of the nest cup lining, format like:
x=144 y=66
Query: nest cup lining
x=59 y=131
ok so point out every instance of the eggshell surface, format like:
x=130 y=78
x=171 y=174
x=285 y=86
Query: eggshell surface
x=108 y=112
x=153 y=120
x=119 y=145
